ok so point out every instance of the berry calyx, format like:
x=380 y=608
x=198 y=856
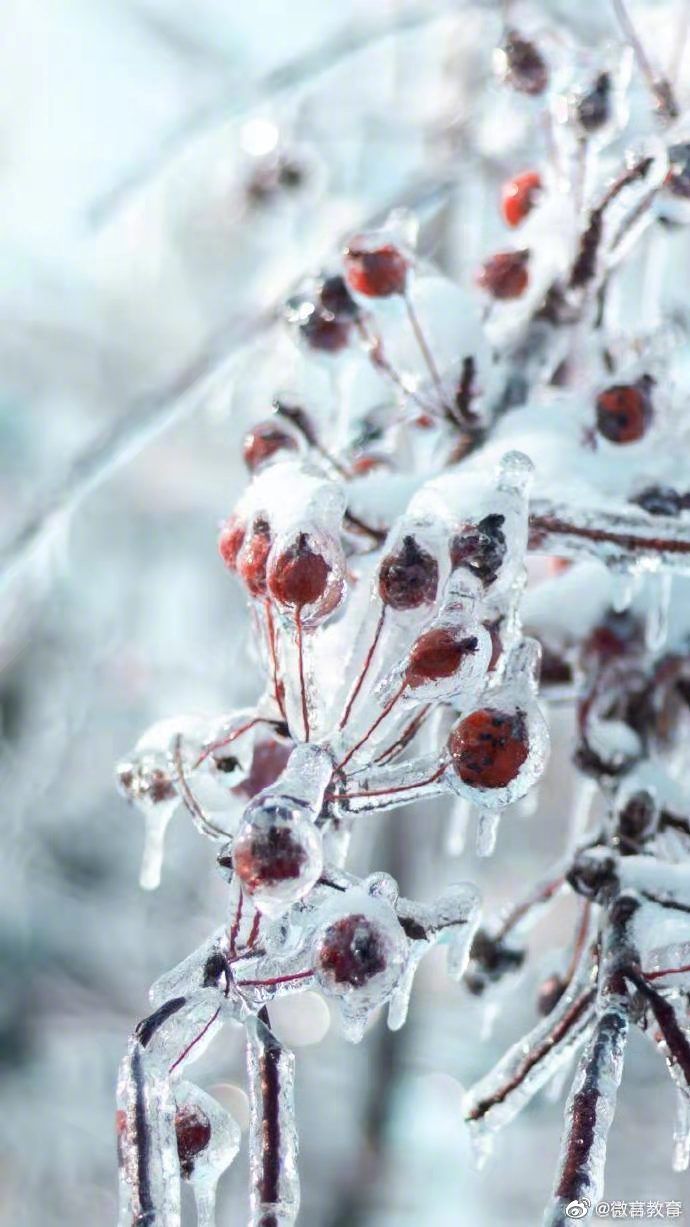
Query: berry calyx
x=351 y=952
x=504 y=275
x=489 y=747
x=263 y=442
x=521 y=65
x=253 y=556
x=193 y=1133
x=301 y=577
x=438 y=653
x=230 y=541
x=624 y=411
x=376 y=272
x=408 y=577
x=519 y=196
x=481 y=548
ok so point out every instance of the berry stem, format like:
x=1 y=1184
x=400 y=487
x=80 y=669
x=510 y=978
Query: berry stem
x=273 y=657
x=389 y=707
x=385 y=792
x=226 y=741
x=201 y=820
x=365 y=668
x=302 y=680
x=660 y=87
x=298 y=975
x=200 y=1035
x=405 y=737
x=424 y=348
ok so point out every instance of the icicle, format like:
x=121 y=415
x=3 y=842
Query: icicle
x=487 y=831
x=656 y=628
x=625 y=584
x=275 y=1192
x=681 y=1133
x=155 y=825
x=458 y=822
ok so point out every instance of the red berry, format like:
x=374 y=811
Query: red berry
x=193 y=1132
x=230 y=541
x=263 y=442
x=522 y=65
x=351 y=951
x=624 y=411
x=504 y=275
x=269 y=759
x=488 y=747
x=264 y=855
x=252 y=558
x=519 y=196
x=481 y=548
x=378 y=272
x=438 y=653
x=408 y=578
x=324 y=332
x=300 y=576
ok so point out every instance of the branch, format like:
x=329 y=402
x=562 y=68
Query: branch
x=623 y=537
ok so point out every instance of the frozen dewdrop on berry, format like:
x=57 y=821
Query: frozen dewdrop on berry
x=520 y=64
x=264 y=442
x=306 y=576
x=230 y=541
x=480 y=548
x=519 y=195
x=277 y=854
x=624 y=412
x=504 y=276
x=408 y=576
x=374 y=267
x=252 y=558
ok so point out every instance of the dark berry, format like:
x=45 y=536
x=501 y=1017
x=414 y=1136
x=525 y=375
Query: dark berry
x=299 y=577
x=481 y=548
x=638 y=818
x=264 y=855
x=351 y=951
x=590 y=875
x=438 y=653
x=263 y=442
x=252 y=558
x=504 y=276
x=488 y=747
x=660 y=501
x=324 y=332
x=335 y=298
x=193 y=1132
x=624 y=411
x=378 y=272
x=522 y=65
x=408 y=578
x=593 y=108
x=230 y=541
x=519 y=196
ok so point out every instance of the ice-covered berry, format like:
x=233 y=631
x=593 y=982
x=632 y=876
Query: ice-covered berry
x=301 y=577
x=408 y=577
x=193 y=1133
x=276 y=854
x=624 y=411
x=519 y=196
x=504 y=275
x=488 y=747
x=376 y=272
x=253 y=557
x=263 y=442
x=481 y=548
x=230 y=541
x=439 y=653
x=521 y=65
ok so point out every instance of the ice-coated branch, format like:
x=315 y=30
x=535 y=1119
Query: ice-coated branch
x=273 y=1143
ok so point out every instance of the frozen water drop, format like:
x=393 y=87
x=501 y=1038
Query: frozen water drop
x=487 y=831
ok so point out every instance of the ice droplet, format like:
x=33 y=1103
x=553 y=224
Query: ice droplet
x=156 y=820
x=488 y=822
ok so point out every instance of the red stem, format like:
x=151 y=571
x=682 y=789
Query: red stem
x=302 y=683
x=195 y=1041
x=385 y=792
x=388 y=708
x=299 y=975
x=365 y=668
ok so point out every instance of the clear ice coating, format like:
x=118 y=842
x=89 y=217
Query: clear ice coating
x=430 y=459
